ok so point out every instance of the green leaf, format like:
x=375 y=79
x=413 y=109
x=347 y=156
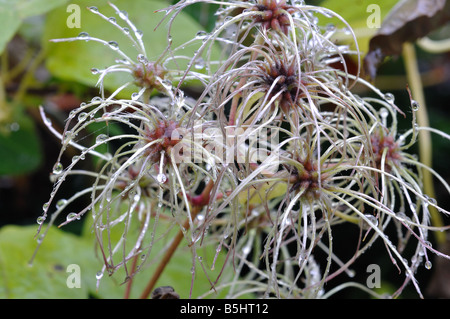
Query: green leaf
x=20 y=147
x=73 y=60
x=13 y=12
x=47 y=276
x=361 y=16
x=50 y=272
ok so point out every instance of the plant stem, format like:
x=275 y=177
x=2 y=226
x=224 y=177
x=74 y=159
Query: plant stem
x=168 y=255
x=5 y=111
x=28 y=77
x=130 y=281
x=425 y=144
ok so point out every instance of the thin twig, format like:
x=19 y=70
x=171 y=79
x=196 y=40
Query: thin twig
x=425 y=144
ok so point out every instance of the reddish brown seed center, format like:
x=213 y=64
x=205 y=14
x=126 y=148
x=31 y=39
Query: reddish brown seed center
x=308 y=179
x=380 y=143
x=282 y=79
x=166 y=133
x=272 y=14
x=149 y=75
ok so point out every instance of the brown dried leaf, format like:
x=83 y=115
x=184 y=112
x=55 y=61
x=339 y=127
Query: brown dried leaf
x=408 y=21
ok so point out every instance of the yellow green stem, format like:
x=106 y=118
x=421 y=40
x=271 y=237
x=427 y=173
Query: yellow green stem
x=425 y=144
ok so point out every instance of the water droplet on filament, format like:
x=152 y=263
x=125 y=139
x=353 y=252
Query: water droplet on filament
x=72 y=216
x=101 y=138
x=57 y=168
x=389 y=97
x=161 y=178
x=82 y=116
x=40 y=220
x=83 y=35
x=138 y=34
x=113 y=45
x=123 y=15
x=60 y=203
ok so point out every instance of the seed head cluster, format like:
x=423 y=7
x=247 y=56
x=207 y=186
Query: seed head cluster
x=262 y=161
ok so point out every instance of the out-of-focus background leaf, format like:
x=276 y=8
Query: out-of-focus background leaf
x=14 y=12
x=357 y=14
x=47 y=277
x=20 y=147
x=408 y=21
x=73 y=60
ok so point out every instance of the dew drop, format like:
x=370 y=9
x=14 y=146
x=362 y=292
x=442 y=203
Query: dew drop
x=123 y=15
x=113 y=45
x=126 y=30
x=428 y=264
x=95 y=71
x=330 y=27
x=45 y=206
x=389 y=97
x=384 y=113
x=101 y=138
x=82 y=116
x=47 y=121
x=201 y=34
x=372 y=219
x=60 y=203
x=57 y=168
x=93 y=9
x=246 y=250
x=161 y=178
x=99 y=275
x=40 y=220
x=138 y=34
x=135 y=96
x=40 y=238
x=432 y=201
x=71 y=216
x=96 y=99
x=68 y=135
x=199 y=63
x=241 y=175
x=112 y=19
x=141 y=58
x=83 y=35
x=415 y=105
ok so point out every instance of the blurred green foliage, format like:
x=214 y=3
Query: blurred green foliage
x=48 y=275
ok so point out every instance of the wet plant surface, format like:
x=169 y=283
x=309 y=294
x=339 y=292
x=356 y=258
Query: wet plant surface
x=251 y=158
